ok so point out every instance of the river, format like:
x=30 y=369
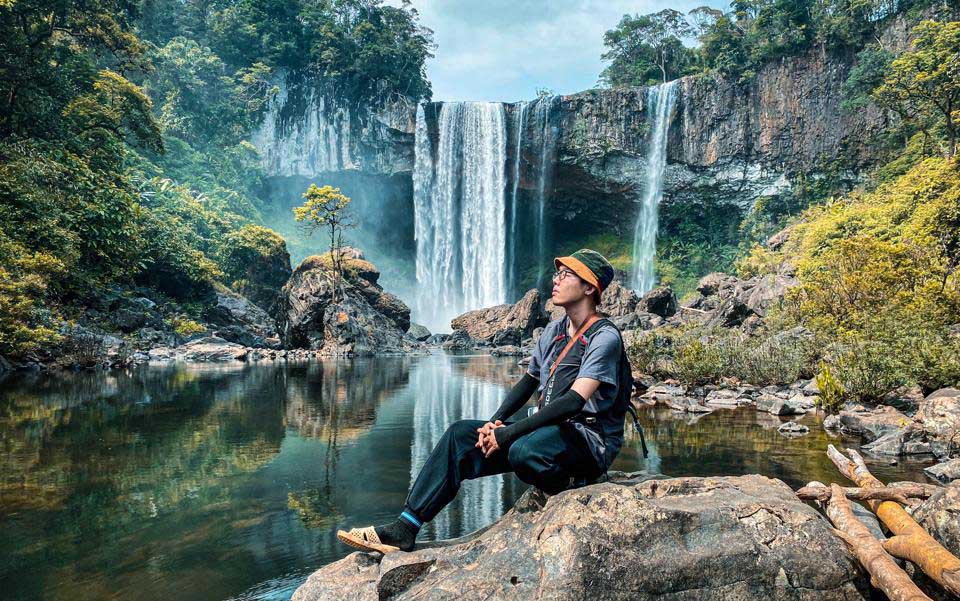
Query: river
x=229 y=481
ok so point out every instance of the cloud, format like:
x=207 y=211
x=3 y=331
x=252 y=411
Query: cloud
x=506 y=49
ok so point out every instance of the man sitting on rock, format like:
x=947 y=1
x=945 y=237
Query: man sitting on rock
x=578 y=369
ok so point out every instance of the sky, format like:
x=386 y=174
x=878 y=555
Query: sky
x=505 y=50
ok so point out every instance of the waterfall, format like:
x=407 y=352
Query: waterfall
x=547 y=155
x=442 y=399
x=460 y=212
x=660 y=102
x=521 y=112
x=319 y=142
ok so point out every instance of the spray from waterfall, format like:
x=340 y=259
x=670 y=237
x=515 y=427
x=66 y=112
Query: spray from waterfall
x=460 y=212
x=661 y=100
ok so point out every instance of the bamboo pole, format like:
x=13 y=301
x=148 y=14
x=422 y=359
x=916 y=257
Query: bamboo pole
x=900 y=494
x=884 y=572
x=910 y=540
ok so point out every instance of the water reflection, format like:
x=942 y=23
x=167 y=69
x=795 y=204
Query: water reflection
x=215 y=482
x=441 y=399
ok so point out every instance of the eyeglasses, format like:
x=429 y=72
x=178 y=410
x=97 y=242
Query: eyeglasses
x=558 y=276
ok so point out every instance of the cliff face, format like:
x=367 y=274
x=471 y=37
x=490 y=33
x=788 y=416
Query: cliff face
x=728 y=143
x=307 y=134
x=577 y=164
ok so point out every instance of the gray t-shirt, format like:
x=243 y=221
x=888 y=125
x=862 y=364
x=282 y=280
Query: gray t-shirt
x=600 y=360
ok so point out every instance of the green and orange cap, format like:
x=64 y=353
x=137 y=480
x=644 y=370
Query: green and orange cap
x=591 y=267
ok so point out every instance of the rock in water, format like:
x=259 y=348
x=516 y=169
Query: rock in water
x=947 y=471
x=504 y=324
x=365 y=320
x=729 y=538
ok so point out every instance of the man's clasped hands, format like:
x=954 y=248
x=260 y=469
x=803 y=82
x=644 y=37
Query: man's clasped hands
x=487 y=442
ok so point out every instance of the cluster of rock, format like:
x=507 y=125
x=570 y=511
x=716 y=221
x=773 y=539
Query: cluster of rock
x=797 y=399
x=354 y=316
x=744 y=537
x=932 y=428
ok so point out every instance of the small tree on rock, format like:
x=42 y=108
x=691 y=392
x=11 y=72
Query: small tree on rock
x=326 y=207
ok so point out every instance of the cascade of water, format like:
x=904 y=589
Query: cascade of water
x=441 y=400
x=520 y=113
x=548 y=148
x=317 y=142
x=660 y=103
x=460 y=221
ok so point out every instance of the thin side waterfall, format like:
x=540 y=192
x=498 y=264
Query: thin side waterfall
x=441 y=400
x=548 y=149
x=520 y=113
x=661 y=100
x=460 y=212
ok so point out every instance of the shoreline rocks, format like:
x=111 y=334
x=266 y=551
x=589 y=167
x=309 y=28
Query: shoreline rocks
x=745 y=537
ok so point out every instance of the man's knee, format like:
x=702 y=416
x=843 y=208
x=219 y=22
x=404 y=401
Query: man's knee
x=462 y=430
x=523 y=458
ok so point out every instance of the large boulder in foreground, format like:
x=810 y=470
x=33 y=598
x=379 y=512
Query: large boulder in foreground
x=504 y=324
x=364 y=320
x=729 y=538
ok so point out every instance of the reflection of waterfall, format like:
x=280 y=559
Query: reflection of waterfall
x=660 y=102
x=521 y=111
x=548 y=149
x=460 y=212
x=443 y=399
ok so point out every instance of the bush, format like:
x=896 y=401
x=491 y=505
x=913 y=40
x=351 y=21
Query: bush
x=831 y=392
x=184 y=326
x=25 y=324
x=702 y=356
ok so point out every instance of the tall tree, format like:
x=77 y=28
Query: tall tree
x=641 y=43
x=923 y=84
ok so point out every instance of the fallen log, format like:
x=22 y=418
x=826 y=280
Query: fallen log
x=900 y=494
x=884 y=572
x=910 y=540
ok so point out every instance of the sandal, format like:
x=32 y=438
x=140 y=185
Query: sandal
x=365 y=539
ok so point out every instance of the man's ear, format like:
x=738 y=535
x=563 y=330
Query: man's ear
x=590 y=290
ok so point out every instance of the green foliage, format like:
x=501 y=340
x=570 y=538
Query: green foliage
x=923 y=84
x=202 y=101
x=740 y=42
x=879 y=284
x=255 y=262
x=361 y=49
x=646 y=49
x=24 y=277
x=184 y=326
x=699 y=355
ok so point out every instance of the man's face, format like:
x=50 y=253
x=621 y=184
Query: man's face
x=568 y=288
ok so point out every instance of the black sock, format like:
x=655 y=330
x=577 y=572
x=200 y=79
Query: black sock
x=399 y=533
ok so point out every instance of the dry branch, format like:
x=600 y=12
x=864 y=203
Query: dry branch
x=911 y=541
x=900 y=494
x=885 y=574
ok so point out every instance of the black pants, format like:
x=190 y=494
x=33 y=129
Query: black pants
x=545 y=458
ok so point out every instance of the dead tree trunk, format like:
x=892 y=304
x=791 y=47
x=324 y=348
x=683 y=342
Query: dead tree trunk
x=885 y=574
x=910 y=540
x=900 y=494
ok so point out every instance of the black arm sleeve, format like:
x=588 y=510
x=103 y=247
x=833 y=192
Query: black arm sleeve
x=566 y=405
x=517 y=396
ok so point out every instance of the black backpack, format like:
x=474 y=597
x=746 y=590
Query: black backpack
x=623 y=403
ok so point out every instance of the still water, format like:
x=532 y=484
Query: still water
x=229 y=482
